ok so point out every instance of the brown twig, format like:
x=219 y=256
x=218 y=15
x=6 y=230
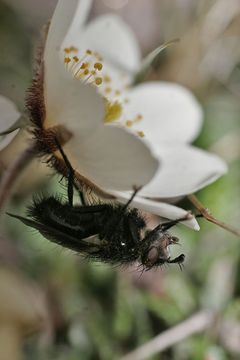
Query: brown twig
x=209 y=217
x=196 y=323
x=13 y=171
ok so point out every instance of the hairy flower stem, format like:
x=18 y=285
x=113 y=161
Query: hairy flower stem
x=13 y=171
x=209 y=217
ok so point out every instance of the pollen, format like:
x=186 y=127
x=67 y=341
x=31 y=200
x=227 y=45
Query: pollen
x=113 y=111
x=98 y=56
x=129 y=123
x=140 y=134
x=84 y=65
x=89 y=52
x=98 y=66
x=67 y=60
x=98 y=81
x=108 y=90
x=73 y=49
x=67 y=50
x=86 y=72
x=76 y=59
x=107 y=79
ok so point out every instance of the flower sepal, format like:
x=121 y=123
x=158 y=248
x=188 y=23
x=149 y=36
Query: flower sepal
x=151 y=62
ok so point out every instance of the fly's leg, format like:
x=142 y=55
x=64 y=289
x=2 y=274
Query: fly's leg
x=178 y=260
x=70 y=176
x=167 y=225
x=136 y=190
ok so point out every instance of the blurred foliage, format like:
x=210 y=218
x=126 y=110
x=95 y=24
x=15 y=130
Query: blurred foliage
x=98 y=312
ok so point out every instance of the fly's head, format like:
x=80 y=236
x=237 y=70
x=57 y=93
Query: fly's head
x=157 y=251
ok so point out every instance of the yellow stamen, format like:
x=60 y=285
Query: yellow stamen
x=73 y=49
x=84 y=65
x=84 y=70
x=86 y=80
x=141 y=134
x=129 y=123
x=98 y=66
x=98 y=56
x=67 y=60
x=98 y=81
x=108 y=90
x=107 y=79
x=113 y=111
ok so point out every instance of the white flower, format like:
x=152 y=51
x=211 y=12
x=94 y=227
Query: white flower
x=166 y=114
x=109 y=156
x=105 y=53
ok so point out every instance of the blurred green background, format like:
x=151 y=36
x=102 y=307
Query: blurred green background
x=94 y=311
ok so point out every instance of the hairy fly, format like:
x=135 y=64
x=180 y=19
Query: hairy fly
x=111 y=233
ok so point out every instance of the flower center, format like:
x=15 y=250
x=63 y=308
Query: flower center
x=89 y=69
x=113 y=111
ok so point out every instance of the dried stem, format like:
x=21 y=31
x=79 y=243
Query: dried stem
x=196 y=323
x=13 y=171
x=207 y=215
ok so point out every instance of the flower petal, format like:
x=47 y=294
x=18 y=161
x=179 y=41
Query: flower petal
x=77 y=106
x=161 y=209
x=80 y=16
x=53 y=66
x=68 y=101
x=169 y=111
x=112 y=158
x=9 y=115
x=185 y=169
x=59 y=25
x=112 y=38
x=68 y=16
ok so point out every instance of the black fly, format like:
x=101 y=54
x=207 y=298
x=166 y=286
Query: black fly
x=111 y=233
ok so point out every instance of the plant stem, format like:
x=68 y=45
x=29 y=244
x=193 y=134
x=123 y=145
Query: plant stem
x=196 y=323
x=209 y=217
x=12 y=173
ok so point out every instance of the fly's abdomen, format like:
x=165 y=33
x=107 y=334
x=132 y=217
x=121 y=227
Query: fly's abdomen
x=63 y=217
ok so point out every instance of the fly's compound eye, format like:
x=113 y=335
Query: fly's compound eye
x=151 y=257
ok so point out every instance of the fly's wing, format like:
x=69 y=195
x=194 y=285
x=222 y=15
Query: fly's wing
x=59 y=237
